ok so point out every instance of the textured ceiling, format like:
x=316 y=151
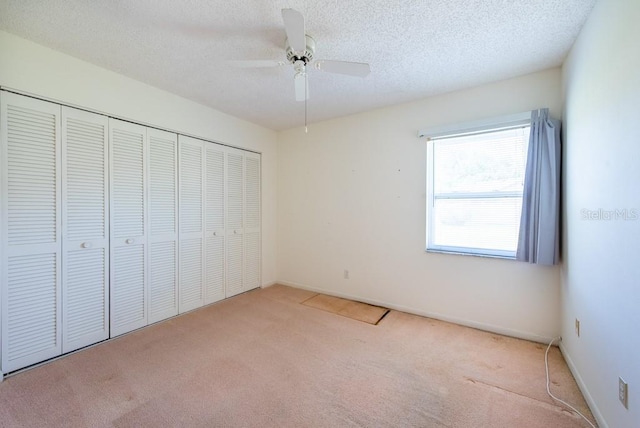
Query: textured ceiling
x=416 y=48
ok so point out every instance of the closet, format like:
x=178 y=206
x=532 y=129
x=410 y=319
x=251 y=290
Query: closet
x=129 y=277
x=107 y=226
x=144 y=248
x=52 y=154
x=214 y=225
x=192 y=274
x=31 y=231
x=163 y=225
x=219 y=222
x=85 y=229
x=243 y=221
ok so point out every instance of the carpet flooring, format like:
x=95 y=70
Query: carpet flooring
x=261 y=359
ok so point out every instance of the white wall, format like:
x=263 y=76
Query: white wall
x=601 y=274
x=351 y=195
x=32 y=68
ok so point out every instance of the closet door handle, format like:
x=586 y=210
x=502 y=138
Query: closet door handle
x=85 y=245
x=215 y=233
x=129 y=241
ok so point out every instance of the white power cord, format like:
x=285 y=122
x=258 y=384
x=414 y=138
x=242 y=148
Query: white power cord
x=546 y=366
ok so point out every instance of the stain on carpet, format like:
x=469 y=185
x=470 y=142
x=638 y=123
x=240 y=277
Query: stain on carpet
x=347 y=308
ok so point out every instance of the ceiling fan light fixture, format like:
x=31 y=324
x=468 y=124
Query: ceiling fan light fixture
x=301 y=86
x=299 y=67
x=305 y=55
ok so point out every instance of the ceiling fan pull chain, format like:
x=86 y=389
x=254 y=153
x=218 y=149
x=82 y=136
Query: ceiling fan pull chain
x=306 y=85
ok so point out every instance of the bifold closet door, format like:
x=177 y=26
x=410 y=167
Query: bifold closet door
x=31 y=230
x=191 y=230
x=242 y=221
x=214 y=223
x=85 y=229
x=252 y=243
x=235 y=220
x=128 y=158
x=163 y=224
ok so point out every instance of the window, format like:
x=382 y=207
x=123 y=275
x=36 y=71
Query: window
x=474 y=189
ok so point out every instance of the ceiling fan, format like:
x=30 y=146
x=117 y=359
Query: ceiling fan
x=300 y=49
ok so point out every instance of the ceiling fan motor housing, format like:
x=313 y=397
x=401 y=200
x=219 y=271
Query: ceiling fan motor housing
x=306 y=55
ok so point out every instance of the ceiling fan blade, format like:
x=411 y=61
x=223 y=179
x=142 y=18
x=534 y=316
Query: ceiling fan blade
x=256 y=63
x=301 y=86
x=294 y=27
x=359 y=69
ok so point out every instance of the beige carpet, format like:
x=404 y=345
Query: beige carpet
x=262 y=359
x=347 y=308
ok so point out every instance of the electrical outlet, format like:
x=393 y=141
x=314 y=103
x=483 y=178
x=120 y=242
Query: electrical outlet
x=623 y=392
x=577 y=327
x=346 y=274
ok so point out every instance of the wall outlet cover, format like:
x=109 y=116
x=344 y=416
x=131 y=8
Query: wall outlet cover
x=623 y=392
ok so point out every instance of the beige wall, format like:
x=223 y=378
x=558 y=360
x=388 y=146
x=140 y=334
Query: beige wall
x=601 y=273
x=32 y=68
x=351 y=195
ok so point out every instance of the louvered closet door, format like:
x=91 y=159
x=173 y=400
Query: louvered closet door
x=85 y=223
x=251 y=277
x=31 y=230
x=163 y=225
x=214 y=223
x=191 y=155
x=128 y=151
x=235 y=221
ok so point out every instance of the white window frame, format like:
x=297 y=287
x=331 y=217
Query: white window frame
x=470 y=128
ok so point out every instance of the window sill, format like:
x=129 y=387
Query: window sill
x=461 y=253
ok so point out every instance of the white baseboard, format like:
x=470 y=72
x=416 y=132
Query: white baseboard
x=269 y=284
x=461 y=321
x=583 y=388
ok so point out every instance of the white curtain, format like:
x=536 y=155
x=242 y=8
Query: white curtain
x=539 y=239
